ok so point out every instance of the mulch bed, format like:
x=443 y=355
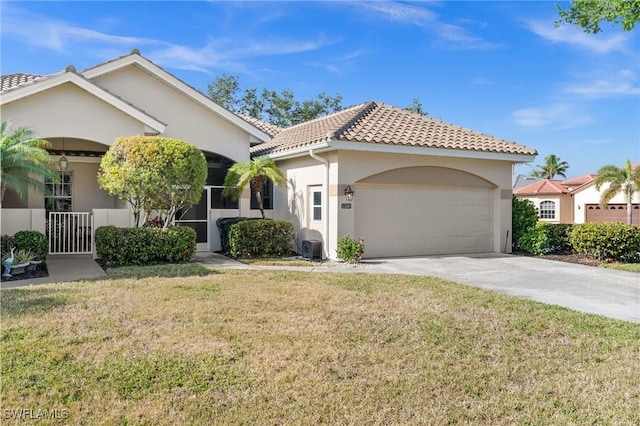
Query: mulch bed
x=40 y=272
x=582 y=259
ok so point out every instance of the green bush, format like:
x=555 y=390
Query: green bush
x=524 y=216
x=260 y=238
x=350 y=250
x=33 y=241
x=607 y=241
x=140 y=246
x=546 y=238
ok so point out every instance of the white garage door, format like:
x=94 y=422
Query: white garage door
x=421 y=220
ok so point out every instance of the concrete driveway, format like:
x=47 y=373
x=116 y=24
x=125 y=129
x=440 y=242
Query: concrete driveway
x=607 y=292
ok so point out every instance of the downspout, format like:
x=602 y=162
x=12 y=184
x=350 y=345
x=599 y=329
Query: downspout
x=325 y=196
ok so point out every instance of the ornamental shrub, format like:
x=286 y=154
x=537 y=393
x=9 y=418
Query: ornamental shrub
x=260 y=238
x=607 y=241
x=350 y=250
x=524 y=216
x=546 y=238
x=33 y=241
x=139 y=246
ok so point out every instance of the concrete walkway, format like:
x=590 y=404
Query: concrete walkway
x=615 y=294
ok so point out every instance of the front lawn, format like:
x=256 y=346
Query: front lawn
x=278 y=347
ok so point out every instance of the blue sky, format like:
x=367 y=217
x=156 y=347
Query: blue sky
x=501 y=68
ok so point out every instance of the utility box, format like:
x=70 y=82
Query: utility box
x=312 y=249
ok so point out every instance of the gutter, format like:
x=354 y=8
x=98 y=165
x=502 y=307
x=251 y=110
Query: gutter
x=325 y=196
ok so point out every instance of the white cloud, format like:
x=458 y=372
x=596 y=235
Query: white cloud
x=447 y=35
x=64 y=37
x=555 y=116
x=569 y=34
x=622 y=83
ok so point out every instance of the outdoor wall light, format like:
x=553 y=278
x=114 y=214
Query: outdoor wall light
x=348 y=193
x=63 y=160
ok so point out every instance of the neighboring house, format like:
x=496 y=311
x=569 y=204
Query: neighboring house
x=575 y=201
x=420 y=186
x=520 y=181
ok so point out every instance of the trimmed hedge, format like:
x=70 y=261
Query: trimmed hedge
x=33 y=241
x=547 y=238
x=260 y=238
x=607 y=241
x=139 y=246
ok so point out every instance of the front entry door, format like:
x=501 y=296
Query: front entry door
x=197 y=217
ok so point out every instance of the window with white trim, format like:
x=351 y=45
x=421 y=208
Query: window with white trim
x=547 y=210
x=316 y=198
x=59 y=195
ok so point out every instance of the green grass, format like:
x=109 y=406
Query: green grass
x=278 y=347
x=164 y=270
x=279 y=261
x=629 y=267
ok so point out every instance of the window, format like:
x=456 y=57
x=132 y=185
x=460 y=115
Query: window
x=548 y=210
x=59 y=195
x=267 y=197
x=317 y=205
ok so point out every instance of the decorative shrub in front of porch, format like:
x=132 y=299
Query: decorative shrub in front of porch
x=260 y=238
x=140 y=246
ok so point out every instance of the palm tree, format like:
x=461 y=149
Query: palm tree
x=254 y=173
x=23 y=161
x=552 y=167
x=625 y=180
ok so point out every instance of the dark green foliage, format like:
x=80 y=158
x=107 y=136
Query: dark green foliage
x=350 y=250
x=546 y=238
x=607 y=241
x=140 y=246
x=33 y=241
x=260 y=238
x=524 y=217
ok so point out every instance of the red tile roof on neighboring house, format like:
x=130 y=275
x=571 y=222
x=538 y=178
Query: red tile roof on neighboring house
x=378 y=123
x=554 y=186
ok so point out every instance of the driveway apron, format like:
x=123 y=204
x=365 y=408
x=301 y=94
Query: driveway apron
x=607 y=292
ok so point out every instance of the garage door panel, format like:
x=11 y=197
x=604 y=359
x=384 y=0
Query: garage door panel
x=422 y=220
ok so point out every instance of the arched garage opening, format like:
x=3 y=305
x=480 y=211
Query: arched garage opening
x=417 y=211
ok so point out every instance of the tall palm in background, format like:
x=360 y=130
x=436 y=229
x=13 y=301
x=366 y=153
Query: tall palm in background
x=625 y=180
x=254 y=173
x=24 y=160
x=551 y=168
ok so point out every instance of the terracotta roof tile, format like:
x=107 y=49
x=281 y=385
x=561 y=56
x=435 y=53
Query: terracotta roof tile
x=580 y=180
x=378 y=123
x=268 y=128
x=546 y=186
x=11 y=81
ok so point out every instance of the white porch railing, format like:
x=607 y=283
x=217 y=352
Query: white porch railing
x=70 y=233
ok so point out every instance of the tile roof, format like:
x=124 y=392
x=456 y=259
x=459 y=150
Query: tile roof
x=378 y=123
x=268 y=128
x=11 y=81
x=521 y=181
x=554 y=186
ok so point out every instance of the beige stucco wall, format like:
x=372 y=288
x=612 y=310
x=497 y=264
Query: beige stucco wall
x=564 y=206
x=349 y=168
x=186 y=119
x=69 y=111
x=589 y=195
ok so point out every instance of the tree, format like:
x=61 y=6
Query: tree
x=588 y=14
x=280 y=109
x=154 y=173
x=625 y=180
x=524 y=217
x=255 y=173
x=552 y=167
x=24 y=161
x=416 y=106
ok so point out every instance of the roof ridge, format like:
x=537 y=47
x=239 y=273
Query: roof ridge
x=367 y=107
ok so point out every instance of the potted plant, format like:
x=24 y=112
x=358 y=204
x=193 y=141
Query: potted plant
x=21 y=261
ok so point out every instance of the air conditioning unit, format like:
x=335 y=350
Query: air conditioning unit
x=312 y=249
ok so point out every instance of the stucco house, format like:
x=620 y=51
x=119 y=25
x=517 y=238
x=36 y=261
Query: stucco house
x=406 y=183
x=576 y=201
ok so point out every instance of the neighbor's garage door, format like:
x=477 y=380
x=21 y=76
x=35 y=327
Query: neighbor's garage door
x=420 y=220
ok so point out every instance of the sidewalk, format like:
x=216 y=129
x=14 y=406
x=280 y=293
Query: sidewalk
x=63 y=268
